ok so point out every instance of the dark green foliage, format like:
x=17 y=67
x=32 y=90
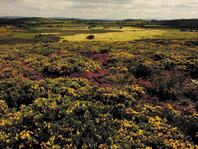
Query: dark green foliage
x=90 y=37
x=17 y=94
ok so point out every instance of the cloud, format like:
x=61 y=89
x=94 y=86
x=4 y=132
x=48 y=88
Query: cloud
x=112 y=9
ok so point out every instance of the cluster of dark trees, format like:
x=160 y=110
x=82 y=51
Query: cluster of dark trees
x=180 y=23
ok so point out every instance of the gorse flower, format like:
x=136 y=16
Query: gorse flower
x=99 y=95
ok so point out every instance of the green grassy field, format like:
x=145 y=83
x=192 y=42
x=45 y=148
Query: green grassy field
x=60 y=28
x=79 y=32
x=134 y=34
x=24 y=35
x=176 y=34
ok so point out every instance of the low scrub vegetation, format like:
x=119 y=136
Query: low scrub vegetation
x=135 y=94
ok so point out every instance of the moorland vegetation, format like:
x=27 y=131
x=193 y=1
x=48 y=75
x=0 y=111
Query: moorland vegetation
x=97 y=94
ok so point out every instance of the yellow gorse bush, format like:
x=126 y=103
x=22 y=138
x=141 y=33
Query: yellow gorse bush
x=47 y=101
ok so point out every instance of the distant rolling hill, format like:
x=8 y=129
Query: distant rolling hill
x=177 y=23
x=31 y=20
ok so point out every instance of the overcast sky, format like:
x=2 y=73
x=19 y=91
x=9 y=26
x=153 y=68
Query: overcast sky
x=101 y=9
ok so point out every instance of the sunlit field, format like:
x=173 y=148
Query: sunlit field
x=80 y=33
x=124 y=35
x=134 y=34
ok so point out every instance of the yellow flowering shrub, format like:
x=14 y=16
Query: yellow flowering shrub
x=67 y=64
x=3 y=108
x=99 y=95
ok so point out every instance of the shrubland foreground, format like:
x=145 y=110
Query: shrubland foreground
x=138 y=94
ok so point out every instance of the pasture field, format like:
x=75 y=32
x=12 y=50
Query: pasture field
x=177 y=34
x=111 y=34
x=123 y=35
x=134 y=34
x=79 y=32
x=24 y=35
